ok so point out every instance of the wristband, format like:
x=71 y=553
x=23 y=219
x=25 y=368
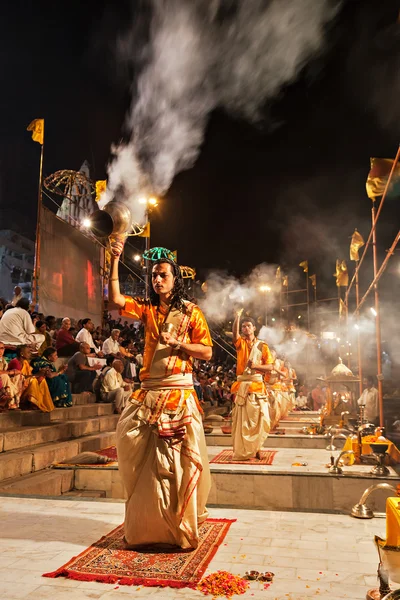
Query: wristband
x=178 y=345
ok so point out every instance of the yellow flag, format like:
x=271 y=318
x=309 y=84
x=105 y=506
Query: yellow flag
x=304 y=266
x=285 y=281
x=101 y=186
x=379 y=175
x=342 y=275
x=357 y=242
x=278 y=274
x=313 y=279
x=37 y=128
x=146 y=231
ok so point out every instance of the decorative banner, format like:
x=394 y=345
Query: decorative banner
x=356 y=243
x=285 y=281
x=304 y=266
x=278 y=275
x=146 y=231
x=379 y=175
x=313 y=279
x=37 y=128
x=157 y=253
x=341 y=274
x=101 y=186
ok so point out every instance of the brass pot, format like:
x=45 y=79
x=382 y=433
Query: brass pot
x=114 y=218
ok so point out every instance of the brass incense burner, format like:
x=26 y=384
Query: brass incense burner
x=115 y=218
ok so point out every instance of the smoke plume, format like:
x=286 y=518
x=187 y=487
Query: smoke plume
x=200 y=56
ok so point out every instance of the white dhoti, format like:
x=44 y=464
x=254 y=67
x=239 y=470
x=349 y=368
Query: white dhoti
x=250 y=419
x=167 y=480
x=274 y=407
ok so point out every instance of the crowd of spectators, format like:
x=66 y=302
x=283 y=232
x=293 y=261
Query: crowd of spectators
x=45 y=359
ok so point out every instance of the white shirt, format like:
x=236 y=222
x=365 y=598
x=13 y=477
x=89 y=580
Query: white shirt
x=16 y=327
x=112 y=380
x=369 y=399
x=85 y=336
x=301 y=401
x=110 y=346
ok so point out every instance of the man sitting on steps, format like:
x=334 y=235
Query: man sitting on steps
x=113 y=388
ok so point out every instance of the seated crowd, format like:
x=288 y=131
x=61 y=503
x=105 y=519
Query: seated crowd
x=44 y=360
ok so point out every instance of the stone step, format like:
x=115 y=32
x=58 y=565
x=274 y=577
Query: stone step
x=95 y=425
x=85 y=494
x=36 y=458
x=289 y=440
x=83 y=411
x=17 y=438
x=295 y=424
x=32 y=459
x=280 y=486
x=49 y=482
x=84 y=398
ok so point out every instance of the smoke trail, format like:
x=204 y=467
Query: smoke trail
x=203 y=55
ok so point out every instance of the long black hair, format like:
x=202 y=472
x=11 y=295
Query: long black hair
x=178 y=291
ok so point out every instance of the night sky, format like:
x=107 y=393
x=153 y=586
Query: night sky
x=291 y=189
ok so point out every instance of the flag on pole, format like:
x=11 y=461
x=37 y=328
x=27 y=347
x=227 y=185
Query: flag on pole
x=304 y=266
x=37 y=128
x=342 y=275
x=101 y=186
x=313 y=279
x=357 y=242
x=146 y=231
x=379 y=175
x=278 y=274
x=285 y=281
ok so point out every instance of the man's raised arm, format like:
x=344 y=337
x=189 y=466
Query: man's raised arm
x=236 y=326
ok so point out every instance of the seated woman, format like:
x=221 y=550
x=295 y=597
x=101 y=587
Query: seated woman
x=31 y=388
x=57 y=381
x=8 y=388
x=41 y=327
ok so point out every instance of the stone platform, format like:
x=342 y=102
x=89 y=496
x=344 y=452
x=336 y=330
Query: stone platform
x=329 y=557
x=30 y=441
x=280 y=486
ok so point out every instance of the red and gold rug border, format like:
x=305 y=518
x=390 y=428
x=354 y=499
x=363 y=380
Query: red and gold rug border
x=64 y=571
x=256 y=462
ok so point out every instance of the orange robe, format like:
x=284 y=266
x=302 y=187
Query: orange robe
x=166 y=476
x=250 y=414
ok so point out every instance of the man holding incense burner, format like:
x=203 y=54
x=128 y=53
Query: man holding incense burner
x=250 y=414
x=162 y=454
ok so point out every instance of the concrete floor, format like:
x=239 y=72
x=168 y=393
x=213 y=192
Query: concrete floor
x=312 y=555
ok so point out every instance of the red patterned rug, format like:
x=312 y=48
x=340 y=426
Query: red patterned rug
x=226 y=458
x=107 y=561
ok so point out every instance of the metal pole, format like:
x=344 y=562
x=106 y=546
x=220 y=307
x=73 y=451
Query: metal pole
x=377 y=320
x=147 y=262
x=315 y=308
x=36 y=266
x=308 y=301
x=359 y=359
